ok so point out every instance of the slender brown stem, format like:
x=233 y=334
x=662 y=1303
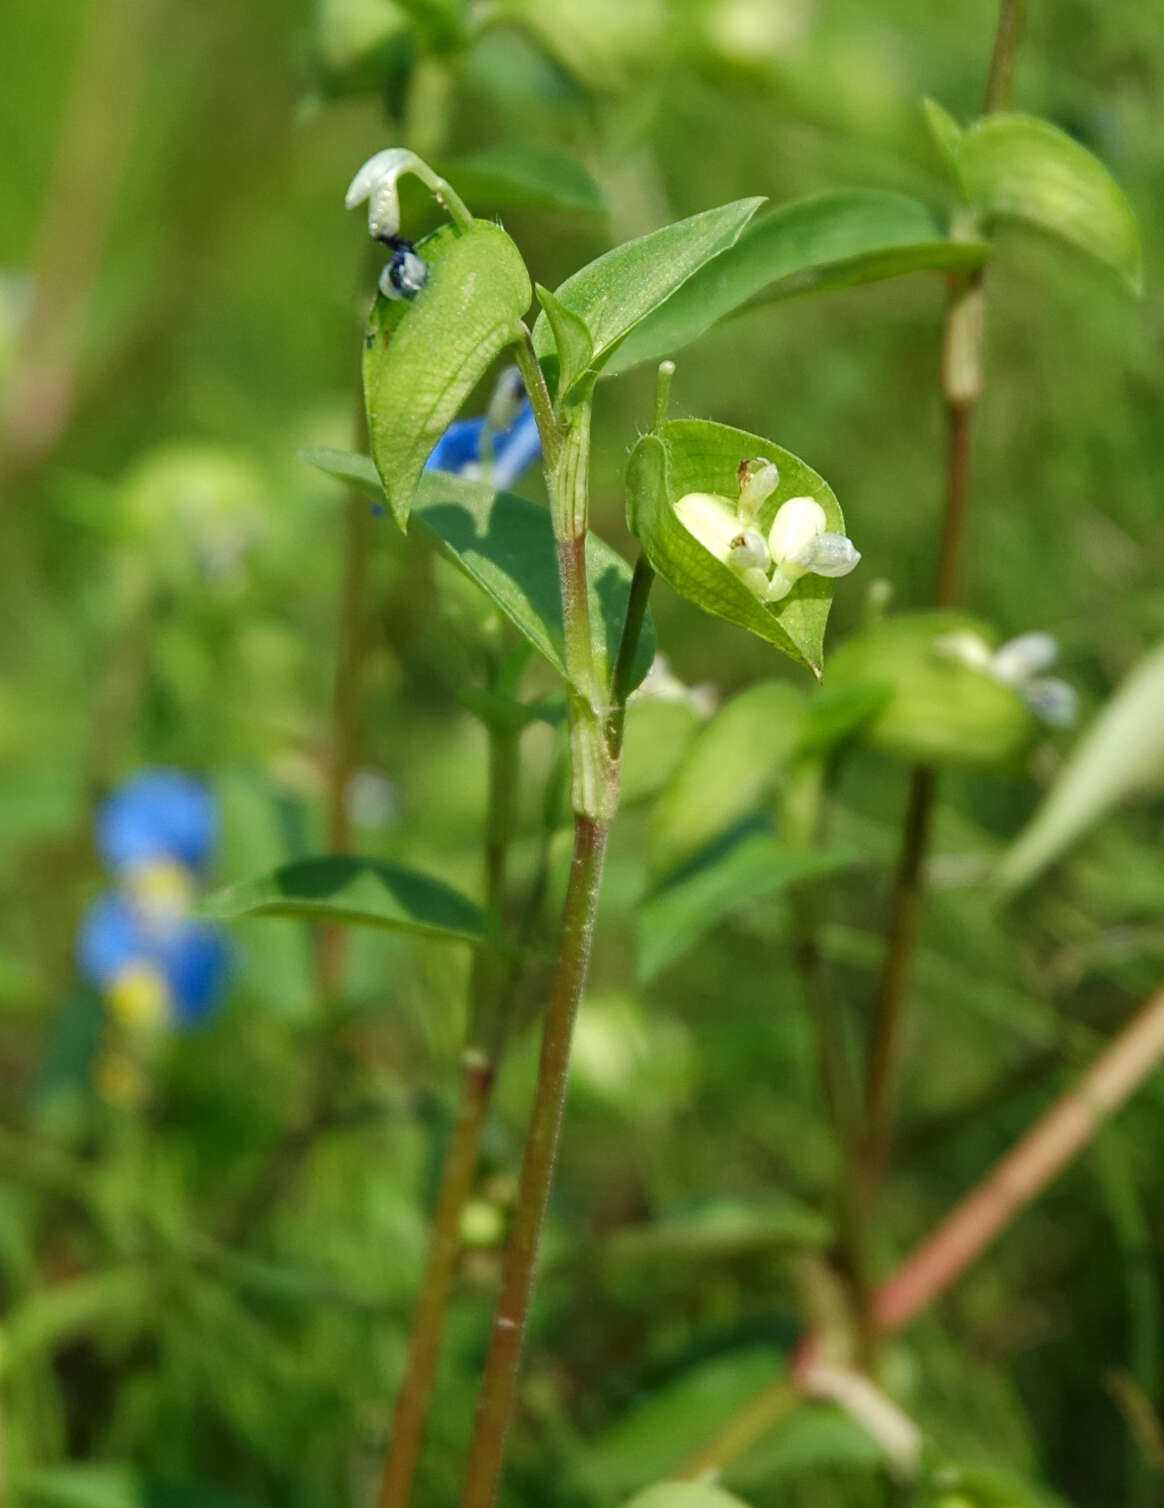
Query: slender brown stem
x=412 y=1406
x=1026 y=1170
x=961 y=388
x=499 y=1386
x=889 y=1010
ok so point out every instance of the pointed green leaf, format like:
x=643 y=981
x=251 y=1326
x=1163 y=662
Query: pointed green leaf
x=1015 y=166
x=423 y=356
x=364 y=892
x=831 y=240
x=525 y=176
x=572 y=346
x=931 y=708
x=1120 y=755
x=745 y=868
x=506 y=545
x=611 y=295
x=947 y=135
x=695 y=455
x=724 y=772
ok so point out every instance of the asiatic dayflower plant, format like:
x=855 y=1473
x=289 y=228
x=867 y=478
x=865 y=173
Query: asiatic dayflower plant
x=797 y=542
x=1019 y=664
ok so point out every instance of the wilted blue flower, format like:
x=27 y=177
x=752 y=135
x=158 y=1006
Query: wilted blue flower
x=155 y=968
x=155 y=816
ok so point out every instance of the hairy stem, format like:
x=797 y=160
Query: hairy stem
x=410 y=1419
x=499 y=1386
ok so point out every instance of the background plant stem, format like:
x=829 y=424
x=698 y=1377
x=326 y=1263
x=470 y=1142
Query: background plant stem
x=962 y=388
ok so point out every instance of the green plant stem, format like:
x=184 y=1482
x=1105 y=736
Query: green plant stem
x=499 y=1386
x=410 y=1418
x=961 y=375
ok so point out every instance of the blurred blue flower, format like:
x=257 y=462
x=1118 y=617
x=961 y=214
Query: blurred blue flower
x=157 y=815
x=152 y=964
x=501 y=459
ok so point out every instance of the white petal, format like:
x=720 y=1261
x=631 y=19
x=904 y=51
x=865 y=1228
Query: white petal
x=829 y=555
x=1019 y=659
x=389 y=163
x=797 y=523
x=711 y=519
x=759 y=479
x=749 y=552
x=1052 y=700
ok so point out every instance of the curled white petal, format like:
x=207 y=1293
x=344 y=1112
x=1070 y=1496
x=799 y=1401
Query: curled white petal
x=1052 y=701
x=759 y=479
x=1020 y=659
x=967 y=648
x=749 y=552
x=376 y=182
x=712 y=520
x=828 y=555
x=796 y=525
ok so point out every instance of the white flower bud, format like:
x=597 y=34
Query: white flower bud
x=405 y=275
x=376 y=182
x=1052 y=701
x=967 y=648
x=1020 y=659
x=758 y=480
x=828 y=555
x=795 y=527
x=712 y=520
x=749 y=552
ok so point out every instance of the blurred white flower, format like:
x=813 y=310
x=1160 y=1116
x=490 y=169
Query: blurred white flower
x=377 y=182
x=1018 y=664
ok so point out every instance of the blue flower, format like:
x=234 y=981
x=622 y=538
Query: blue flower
x=154 y=968
x=155 y=816
x=469 y=448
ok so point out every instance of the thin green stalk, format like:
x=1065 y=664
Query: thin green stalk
x=961 y=377
x=499 y=1385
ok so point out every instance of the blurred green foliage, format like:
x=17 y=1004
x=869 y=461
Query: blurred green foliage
x=206 y=1304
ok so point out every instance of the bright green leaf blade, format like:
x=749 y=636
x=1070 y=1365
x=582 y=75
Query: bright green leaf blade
x=947 y=136
x=1120 y=755
x=658 y=734
x=506 y=545
x=831 y=240
x=525 y=176
x=612 y=294
x=1027 y=169
x=675 y=918
x=724 y=772
x=930 y=708
x=81 y=1485
x=572 y=345
x=685 y=1495
x=423 y=357
x=363 y=892
x=695 y=455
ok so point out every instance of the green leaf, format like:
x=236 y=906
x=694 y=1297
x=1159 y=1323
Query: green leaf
x=658 y=734
x=1017 y=167
x=573 y=349
x=424 y=356
x=117 y=1298
x=748 y=868
x=525 y=176
x=837 y=713
x=831 y=240
x=724 y=772
x=695 y=455
x=507 y=715
x=1120 y=755
x=611 y=295
x=720 y=1230
x=685 y=1495
x=81 y=1486
x=506 y=545
x=933 y=709
x=364 y=892
x=947 y=135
